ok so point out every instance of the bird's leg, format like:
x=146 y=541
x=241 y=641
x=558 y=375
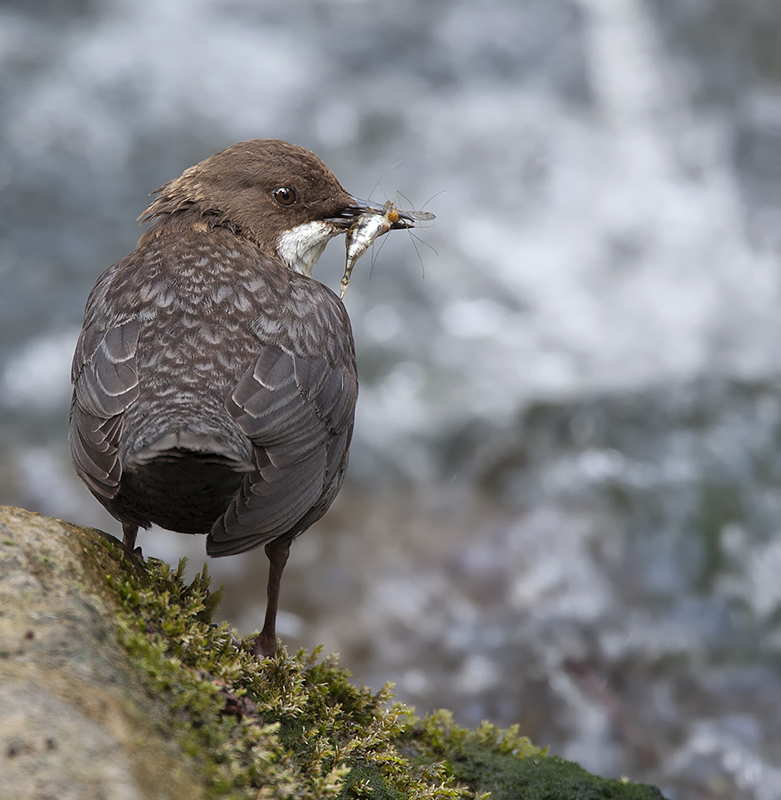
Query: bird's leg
x=136 y=559
x=266 y=641
x=129 y=537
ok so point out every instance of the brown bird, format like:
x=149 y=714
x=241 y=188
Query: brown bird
x=214 y=379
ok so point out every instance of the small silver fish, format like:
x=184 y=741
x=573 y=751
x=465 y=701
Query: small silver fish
x=368 y=227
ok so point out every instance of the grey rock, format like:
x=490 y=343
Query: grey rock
x=75 y=724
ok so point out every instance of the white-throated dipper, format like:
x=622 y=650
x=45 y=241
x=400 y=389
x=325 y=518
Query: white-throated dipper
x=214 y=379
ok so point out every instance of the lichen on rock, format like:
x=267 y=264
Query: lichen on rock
x=115 y=683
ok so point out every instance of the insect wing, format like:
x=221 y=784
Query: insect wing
x=421 y=216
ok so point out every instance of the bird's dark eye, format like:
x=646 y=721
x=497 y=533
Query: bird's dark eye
x=285 y=196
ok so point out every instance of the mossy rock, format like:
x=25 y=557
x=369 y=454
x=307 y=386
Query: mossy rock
x=115 y=682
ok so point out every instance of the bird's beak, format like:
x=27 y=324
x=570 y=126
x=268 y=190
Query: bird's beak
x=357 y=208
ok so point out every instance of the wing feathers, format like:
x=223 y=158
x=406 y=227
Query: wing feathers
x=105 y=384
x=93 y=454
x=285 y=405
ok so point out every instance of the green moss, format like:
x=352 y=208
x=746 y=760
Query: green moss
x=297 y=726
x=537 y=778
x=508 y=765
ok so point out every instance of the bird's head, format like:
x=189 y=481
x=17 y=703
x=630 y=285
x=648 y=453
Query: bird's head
x=279 y=195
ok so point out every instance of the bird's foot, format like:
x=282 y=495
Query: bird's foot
x=264 y=646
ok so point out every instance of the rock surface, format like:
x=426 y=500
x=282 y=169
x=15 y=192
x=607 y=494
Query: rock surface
x=74 y=720
x=114 y=683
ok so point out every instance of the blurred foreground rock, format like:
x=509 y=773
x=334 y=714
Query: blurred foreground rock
x=75 y=722
x=114 y=683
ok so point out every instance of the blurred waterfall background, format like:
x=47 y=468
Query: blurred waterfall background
x=564 y=502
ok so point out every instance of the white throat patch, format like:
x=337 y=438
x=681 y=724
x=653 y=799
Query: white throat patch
x=302 y=246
